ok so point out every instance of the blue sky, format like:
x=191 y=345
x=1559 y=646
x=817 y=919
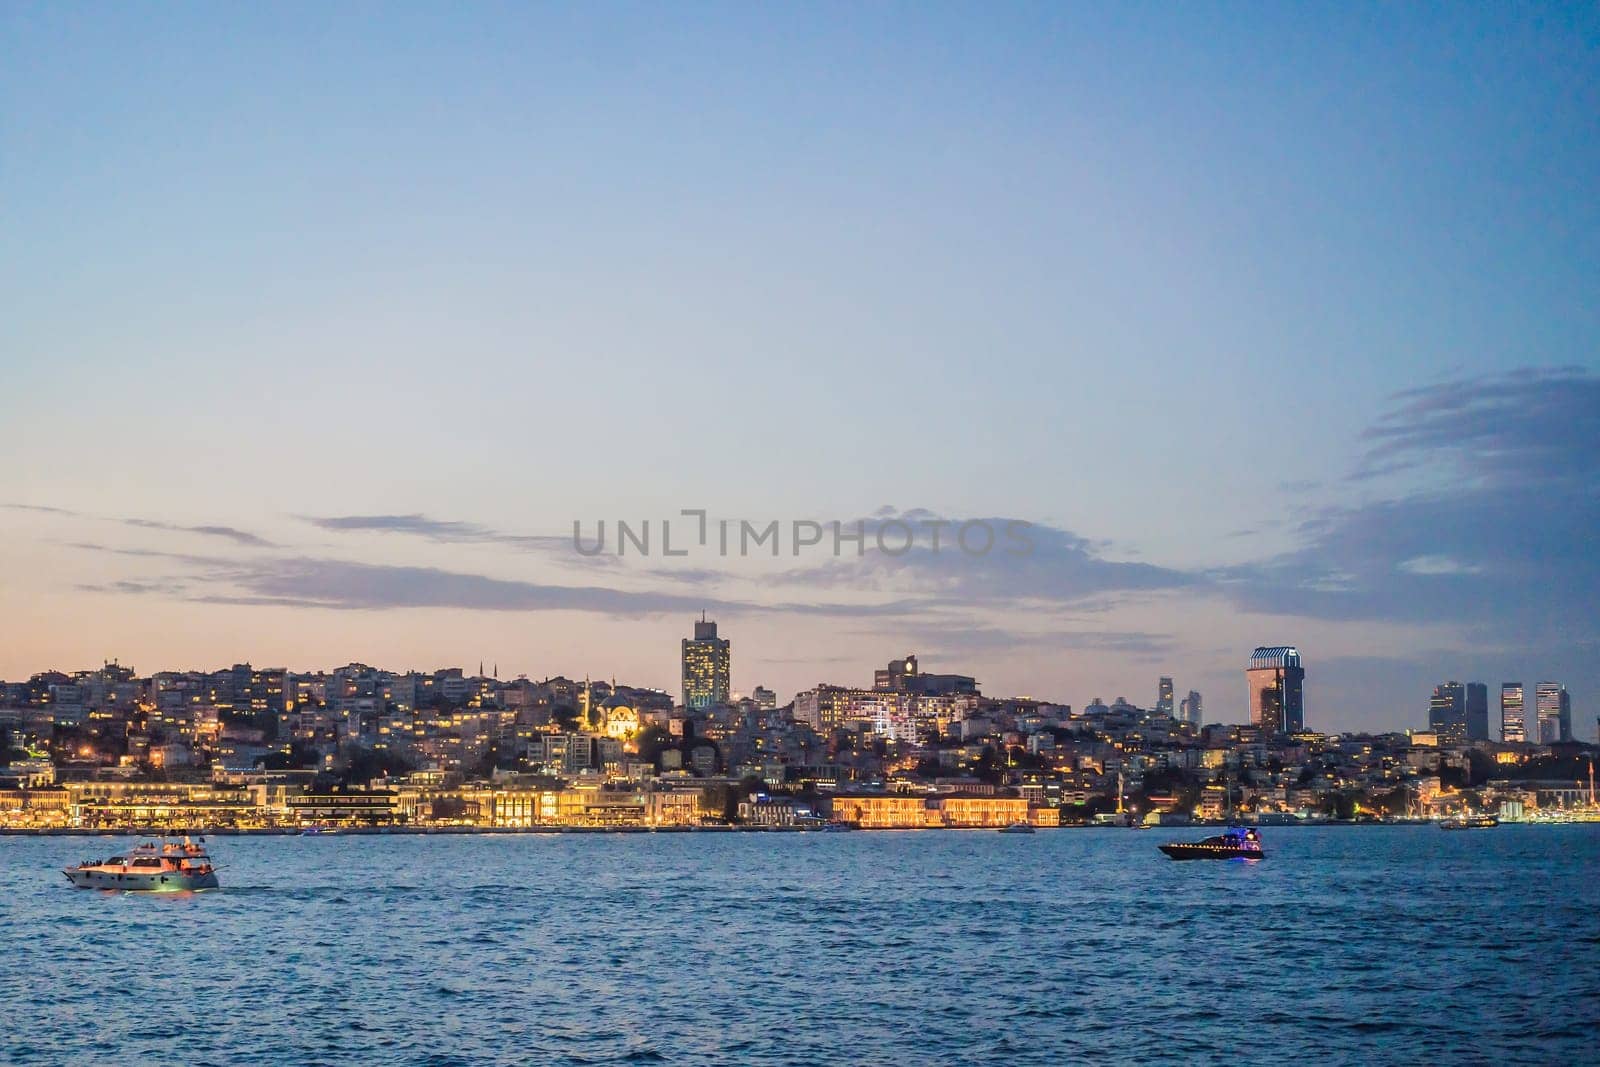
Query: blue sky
x=1170 y=283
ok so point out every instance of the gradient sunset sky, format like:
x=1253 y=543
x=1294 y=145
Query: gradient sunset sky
x=324 y=323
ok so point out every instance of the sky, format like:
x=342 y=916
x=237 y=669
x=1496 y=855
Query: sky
x=1276 y=325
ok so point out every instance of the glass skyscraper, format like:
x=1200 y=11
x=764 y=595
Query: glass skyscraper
x=1477 y=711
x=1276 y=681
x=1513 y=717
x=1447 y=712
x=1554 y=710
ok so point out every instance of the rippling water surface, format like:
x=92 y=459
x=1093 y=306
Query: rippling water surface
x=1348 y=945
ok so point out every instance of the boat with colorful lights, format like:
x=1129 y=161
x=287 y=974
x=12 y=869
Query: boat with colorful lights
x=1238 y=843
x=161 y=866
x=1470 y=822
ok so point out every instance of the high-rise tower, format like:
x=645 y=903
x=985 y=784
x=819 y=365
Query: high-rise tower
x=1553 y=707
x=1276 y=681
x=1447 y=712
x=1164 y=697
x=1513 y=717
x=1477 y=711
x=707 y=667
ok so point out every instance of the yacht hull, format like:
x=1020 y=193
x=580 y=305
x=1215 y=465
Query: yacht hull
x=1197 y=851
x=154 y=882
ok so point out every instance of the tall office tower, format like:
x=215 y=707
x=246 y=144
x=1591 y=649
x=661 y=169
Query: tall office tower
x=1477 y=711
x=707 y=667
x=1189 y=709
x=1276 y=681
x=1447 y=713
x=1553 y=711
x=1164 y=697
x=1513 y=722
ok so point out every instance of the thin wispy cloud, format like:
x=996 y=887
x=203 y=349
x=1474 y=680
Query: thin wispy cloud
x=226 y=533
x=1536 y=426
x=441 y=531
x=310 y=582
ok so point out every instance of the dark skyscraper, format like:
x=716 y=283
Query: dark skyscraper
x=707 y=667
x=1164 y=697
x=1460 y=713
x=1277 y=689
x=1189 y=710
x=1477 y=711
x=1513 y=716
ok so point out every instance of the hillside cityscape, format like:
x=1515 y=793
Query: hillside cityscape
x=359 y=746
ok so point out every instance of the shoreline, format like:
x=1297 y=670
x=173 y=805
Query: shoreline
x=460 y=831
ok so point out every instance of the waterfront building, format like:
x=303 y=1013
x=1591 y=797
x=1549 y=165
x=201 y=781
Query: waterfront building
x=1513 y=720
x=1164 y=697
x=1276 y=681
x=1553 y=708
x=707 y=668
x=779 y=812
x=912 y=811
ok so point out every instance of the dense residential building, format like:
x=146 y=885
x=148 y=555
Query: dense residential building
x=1276 y=681
x=1553 y=707
x=707 y=668
x=1513 y=716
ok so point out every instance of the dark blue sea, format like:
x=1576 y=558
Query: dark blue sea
x=1346 y=946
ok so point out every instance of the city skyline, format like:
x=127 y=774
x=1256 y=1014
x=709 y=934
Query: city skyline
x=1288 y=337
x=1275 y=677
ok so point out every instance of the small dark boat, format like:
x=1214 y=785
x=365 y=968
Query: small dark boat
x=1236 y=844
